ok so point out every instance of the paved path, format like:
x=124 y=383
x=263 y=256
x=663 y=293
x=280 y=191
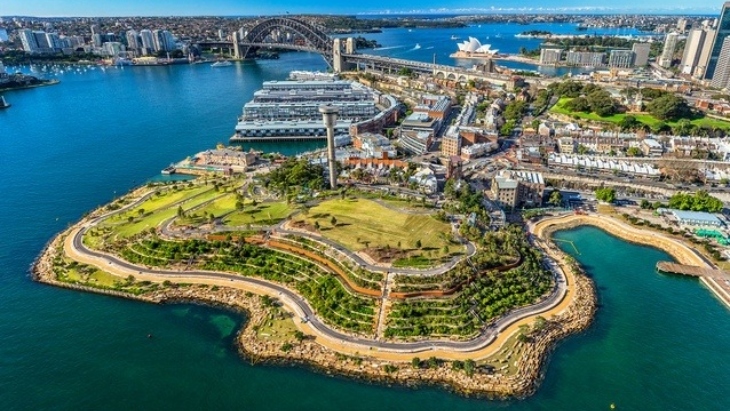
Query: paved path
x=75 y=247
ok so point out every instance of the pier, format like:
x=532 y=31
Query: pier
x=717 y=280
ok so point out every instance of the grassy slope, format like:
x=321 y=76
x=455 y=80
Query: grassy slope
x=369 y=221
x=644 y=118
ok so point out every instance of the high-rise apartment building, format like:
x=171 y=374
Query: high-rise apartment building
x=550 y=55
x=30 y=44
x=621 y=58
x=723 y=30
x=670 y=45
x=133 y=41
x=148 y=43
x=641 y=54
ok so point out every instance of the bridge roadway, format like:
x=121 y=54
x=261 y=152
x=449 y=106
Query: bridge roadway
x=300 y=306
x=422 y=66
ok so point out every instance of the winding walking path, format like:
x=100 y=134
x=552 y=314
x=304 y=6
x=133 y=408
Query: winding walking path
x=488 y=341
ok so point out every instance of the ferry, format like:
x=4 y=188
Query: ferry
x=3 y=103
x=222 y=63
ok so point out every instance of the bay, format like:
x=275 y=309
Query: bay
x=659 y=342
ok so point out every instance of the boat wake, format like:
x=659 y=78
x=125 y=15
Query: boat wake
x=388 y=48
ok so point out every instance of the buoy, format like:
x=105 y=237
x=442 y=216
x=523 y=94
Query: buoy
x=149 y=336
x=613 y=406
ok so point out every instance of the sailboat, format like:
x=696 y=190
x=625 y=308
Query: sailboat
x=3 y=103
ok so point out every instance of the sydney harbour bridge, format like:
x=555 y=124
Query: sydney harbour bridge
x=340 y=53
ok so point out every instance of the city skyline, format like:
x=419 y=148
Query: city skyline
x=83 y=8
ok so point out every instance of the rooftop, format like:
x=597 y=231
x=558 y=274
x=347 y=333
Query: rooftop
x=696 y=216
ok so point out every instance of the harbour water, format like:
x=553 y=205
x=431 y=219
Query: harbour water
x=658 y=343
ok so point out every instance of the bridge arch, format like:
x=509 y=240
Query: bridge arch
x=315 y=38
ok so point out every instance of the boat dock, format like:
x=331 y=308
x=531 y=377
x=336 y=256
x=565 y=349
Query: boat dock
x=718 y=281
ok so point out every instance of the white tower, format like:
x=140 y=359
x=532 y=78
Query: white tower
x=329 y=116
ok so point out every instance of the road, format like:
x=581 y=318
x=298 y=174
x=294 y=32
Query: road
x=299 y=306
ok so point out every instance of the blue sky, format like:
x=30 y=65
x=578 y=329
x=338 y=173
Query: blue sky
x=250 y=7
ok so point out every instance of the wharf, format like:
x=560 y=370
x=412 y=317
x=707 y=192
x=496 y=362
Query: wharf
x=238 y=139
x=717 y=280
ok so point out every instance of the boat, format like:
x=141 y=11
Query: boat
x=454 y=37
x=222 y=63
x=417 y=46
x=3 y=103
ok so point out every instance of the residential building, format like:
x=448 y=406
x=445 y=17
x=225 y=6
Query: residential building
x=375 y=146
x=550 y=55
x=451 y=144
x=518 y=188
x=148 y=43
x=415 y=142
x=651 y=147
x=641 y=54
x=621 y=58
x=567 y=145
x=585 y=58
x=723 y=30
x=112 y=48
x=30 y=45
x=670 y=46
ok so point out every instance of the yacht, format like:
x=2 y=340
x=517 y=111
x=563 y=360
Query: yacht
x=3 y=103
x=222 y=63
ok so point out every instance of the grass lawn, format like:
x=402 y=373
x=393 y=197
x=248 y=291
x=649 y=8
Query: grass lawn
x=647 y=119
x=277 y=328
x=263 y=213
x=170 y=197
x=369 y=221
x=98 y=277
x=122 y=228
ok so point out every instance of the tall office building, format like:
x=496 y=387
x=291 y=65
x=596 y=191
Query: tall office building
x=641 y=54
x=692 y=51
x=721 y=77
x=705 y=52
x=723 y=30
x=670 y=45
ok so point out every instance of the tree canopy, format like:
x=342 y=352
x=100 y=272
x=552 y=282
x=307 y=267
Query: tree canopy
x=699 y=201
x=668 y=107
x=607 y=194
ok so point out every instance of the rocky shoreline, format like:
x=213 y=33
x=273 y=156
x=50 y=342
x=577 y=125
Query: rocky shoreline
x=530 y=356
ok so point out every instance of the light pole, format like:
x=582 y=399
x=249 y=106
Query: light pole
x=329 y=116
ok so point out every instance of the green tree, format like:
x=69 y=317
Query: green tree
x=469 y=367
x=418 y=243
x=556 y=199
x=668 y=107
x=606 y=194
x=634 y=152
x=333 y=221
x=416 y=362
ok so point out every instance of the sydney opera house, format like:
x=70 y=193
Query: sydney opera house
x=472 y=48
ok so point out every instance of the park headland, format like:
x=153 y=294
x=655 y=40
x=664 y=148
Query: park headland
x=375 y=285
